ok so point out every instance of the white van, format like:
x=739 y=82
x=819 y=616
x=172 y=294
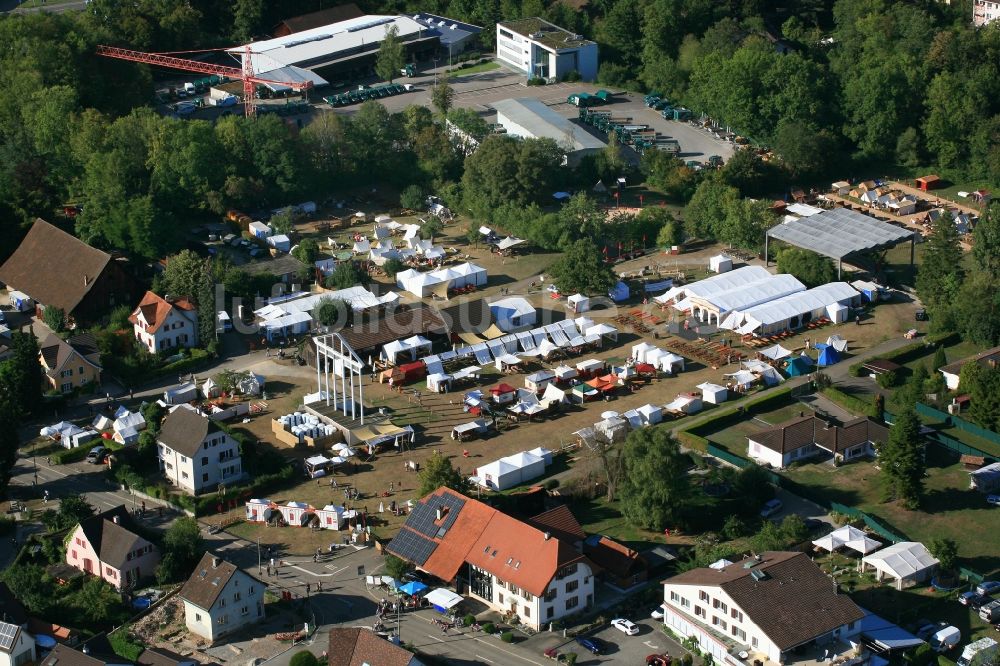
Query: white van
x=946 y=639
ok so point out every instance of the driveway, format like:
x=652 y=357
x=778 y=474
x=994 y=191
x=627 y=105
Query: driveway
x=620 y=649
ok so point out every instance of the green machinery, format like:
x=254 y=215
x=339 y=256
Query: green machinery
x=364 y=93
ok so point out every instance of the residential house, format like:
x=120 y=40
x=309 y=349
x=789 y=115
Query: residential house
x=56 y=269
x=809 y=435
x=768 y=606
x=988 y=359
x=17 y=645
x=70 y=364
x=220 y=599
x=108 y=545
x=615 y=563
x=161 y=324
x=161 y=657
x=985 y=11
x=350 y=646
x=195 y=455
x=95 y=652
x=509 y=565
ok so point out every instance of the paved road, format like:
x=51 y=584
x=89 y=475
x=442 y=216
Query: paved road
x=74 y=5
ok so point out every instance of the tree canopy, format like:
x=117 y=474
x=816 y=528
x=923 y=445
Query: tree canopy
x=901 y=460
x=655 y=486
x=438 y=472
x=810 y=268
x=581 y=270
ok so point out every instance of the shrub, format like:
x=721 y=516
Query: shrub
x=507 y=637
x=536 y=81
x=571 y=658
x=489 y=628
x=71 y=455
x=887 y=379
x=552 y=484
x=469 y=620
x=304 y=658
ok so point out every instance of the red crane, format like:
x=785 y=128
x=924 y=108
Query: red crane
x=246 y=74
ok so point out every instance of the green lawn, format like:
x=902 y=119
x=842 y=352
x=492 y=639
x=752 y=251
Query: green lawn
x=475 y=69
x=951 y=508
x=734 y=438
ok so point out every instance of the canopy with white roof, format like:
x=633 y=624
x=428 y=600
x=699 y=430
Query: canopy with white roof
x=443 y=598
x=907 y=561
x=848 y=537
x=775 y=353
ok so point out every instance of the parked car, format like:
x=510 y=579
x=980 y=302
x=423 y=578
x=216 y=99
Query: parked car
x=972 y=599
x=927 y=629
x=590 y=644
x=772 y=507
x=990 y=499
x=813 y=524
x=97 y=455
x=988 y=587
x=627 y=627
x=657 y=613
x=658 y=660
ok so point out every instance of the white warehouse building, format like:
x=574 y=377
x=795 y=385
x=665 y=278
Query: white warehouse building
x=530 y=118
x=540 y=49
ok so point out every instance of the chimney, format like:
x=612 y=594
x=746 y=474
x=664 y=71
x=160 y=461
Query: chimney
x=116 y=520
x=441 y=512
x=547 y=535
x=86 y=280
x=216 y=561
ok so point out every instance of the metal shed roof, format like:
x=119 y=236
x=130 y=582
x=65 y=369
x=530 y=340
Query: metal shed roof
x=540 y=121
x=839 y=232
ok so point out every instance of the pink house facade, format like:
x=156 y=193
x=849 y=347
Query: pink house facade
x=105 y=545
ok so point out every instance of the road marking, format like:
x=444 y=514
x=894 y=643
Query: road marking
x=650 y=645
x=436 y=638
x=482 y=658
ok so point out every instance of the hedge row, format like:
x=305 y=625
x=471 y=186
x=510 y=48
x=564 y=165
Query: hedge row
x=64 y=456
x=909 y=352
x=849 y=402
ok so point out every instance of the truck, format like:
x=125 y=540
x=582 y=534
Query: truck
x=409 y=70
x=228 y=100
x=991 y=611
x=985 y=651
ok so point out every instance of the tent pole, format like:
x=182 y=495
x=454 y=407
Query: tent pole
x=767 y=237
x=840 y=266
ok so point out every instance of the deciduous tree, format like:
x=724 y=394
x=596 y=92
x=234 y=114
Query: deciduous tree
x=655 y=486
x=391 y=55
x=438 y=472
x=581 y=269
x=811 y=268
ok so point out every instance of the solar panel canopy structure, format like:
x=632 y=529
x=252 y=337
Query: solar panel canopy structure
x=840 y=232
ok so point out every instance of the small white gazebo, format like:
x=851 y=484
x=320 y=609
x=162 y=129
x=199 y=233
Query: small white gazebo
x=848 y=537
x=908 y=562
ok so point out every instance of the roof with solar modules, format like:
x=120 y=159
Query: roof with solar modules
x=446 y=530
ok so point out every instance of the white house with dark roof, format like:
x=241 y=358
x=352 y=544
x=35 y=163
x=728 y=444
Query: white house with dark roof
x=806 y=436
x=17 y=646
x=220 y=599
x=195 y=454
x=766 y=606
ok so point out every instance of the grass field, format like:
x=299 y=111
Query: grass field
x=475 y=69
x=733 y=438
x=950 y=509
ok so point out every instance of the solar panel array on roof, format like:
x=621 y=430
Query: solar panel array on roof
x=839 y=232
x=411 y=546
x=7 y=633
x=422 y=519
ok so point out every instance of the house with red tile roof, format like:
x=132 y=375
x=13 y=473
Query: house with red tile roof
x=768 y=606
x=162 y=324
x=108 y=545
x=511 y=566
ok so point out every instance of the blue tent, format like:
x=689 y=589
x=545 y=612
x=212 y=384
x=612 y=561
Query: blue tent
x=828 y=356
x=620 y=292
x=413 y=587
x=799 y=365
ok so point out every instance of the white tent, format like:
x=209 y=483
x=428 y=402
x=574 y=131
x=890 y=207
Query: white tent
x=512 y=312
x=589 y=365
x=837 y=313
x=129 y=420
x=613 y=428
x=849 y=537
x=639 y=351
x=180 y=394
x=101 y=422
x=578 y=303
x=743 y=378
x=505 y=361
x=665 y=361
x=713 y=393
x=127 y=435
x=837 y=342
x=210 y=389
x=687 y=404
x=771 y=376
x=565 y=373
x=583 y=323
x=650 y=414
x=439 y=382
x=552 y=395
x=537 y=381
x=471 y=274
x=602 y=330
x=908 y=562
x=443 y=598
x=510 y=471
x=477 y=426
x=775 y=353
x=362 y=246
x=720 y=263
x=392 y=350
x=509 y=242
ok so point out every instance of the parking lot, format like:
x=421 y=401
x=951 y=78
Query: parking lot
x=480 y=91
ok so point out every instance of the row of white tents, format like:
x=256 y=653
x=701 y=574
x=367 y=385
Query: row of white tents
x=513 y=470
x=830 y=300
x=298 y=514
x=440 y=281
x=659 y=358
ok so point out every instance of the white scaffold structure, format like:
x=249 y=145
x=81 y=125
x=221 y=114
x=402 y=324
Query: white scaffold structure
x=334 y=356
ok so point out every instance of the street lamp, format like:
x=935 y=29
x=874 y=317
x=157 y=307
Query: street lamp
x=258 y=554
